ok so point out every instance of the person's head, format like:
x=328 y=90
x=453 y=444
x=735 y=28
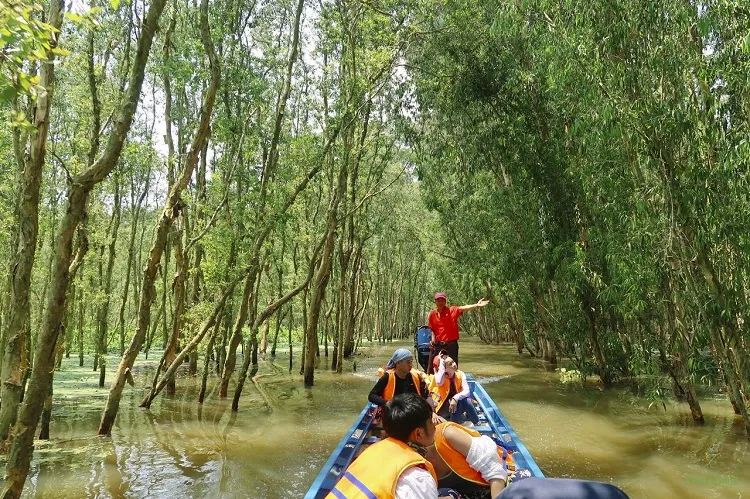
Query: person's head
x=440 y=300
x=450 y=364
x=408 y=418
x=402 y=361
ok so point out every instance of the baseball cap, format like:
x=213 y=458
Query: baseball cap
x=440 y=295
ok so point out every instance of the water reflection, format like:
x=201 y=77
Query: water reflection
x=182 y=448
x=585 y=432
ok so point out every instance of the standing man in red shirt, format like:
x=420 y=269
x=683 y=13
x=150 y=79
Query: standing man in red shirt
x=443 y=322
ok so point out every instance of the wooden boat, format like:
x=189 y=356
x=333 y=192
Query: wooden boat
x=491 y=423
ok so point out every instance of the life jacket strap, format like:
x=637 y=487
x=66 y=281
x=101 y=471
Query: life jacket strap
x=361 y=486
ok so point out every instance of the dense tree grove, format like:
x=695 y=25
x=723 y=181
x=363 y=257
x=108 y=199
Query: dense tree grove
x=590 y=167
x=214 y=180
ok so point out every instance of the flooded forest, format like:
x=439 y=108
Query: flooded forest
x=218 y=218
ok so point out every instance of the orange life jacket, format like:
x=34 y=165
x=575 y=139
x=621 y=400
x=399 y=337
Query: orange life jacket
x=457 y=461
x=439 y=393
x=376 y=471
x=390 y=388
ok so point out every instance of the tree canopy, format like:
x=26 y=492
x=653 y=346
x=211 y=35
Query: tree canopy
x=192 y=177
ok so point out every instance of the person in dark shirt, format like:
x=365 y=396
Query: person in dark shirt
x=399 y=377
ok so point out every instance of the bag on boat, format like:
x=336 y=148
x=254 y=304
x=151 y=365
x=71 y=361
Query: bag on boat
x=560 y=488
x=422 y=338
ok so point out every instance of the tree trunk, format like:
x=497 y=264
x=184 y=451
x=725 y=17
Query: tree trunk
x=135 y=208
x=154 y=326
x=265 y=225
x=164 y=287
x=196 y=291
x=601 y=363
x=277 y=328
x=15 y=356
x=207 y=361
x=263 y=317
x=303 y=353
x=236 y=339
x=19 y=458
x=289 y=337
x=79 y=326
x=291 y=311
x=171 y=210
x=321 y=281
x=264 y=340
x=197 y=272
x=678 y=366
x=47 y=410
x=279 y=314
x=193 y=345
x=352 y=308
x=724 y=334
x=178 y=289
x=106 y=285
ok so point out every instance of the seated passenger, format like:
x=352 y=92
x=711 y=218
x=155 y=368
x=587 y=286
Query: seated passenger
x=470 y=463
x=449 y=385
x=392 y=467
x=398 y=377
x=476 y=468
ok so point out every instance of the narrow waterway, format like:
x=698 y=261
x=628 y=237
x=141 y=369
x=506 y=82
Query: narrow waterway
x=281 y=436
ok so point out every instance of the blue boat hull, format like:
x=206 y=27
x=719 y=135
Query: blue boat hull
x=491 y=422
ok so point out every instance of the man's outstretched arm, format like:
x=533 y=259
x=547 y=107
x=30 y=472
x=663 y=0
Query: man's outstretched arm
x=481 y=303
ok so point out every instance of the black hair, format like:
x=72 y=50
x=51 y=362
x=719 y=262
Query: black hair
x=405 y=413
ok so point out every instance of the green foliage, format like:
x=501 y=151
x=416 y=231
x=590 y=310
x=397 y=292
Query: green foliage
x=25 y=42
x=584 y=166
x=579 y=157
x=570 y=375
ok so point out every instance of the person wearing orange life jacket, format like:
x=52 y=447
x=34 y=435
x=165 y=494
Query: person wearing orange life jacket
x=449 y=390
x=399 y=377
x=468 y=462
x=393 y=467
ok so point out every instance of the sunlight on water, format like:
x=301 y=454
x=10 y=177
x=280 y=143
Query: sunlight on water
x=486 y=380
x=370 y=374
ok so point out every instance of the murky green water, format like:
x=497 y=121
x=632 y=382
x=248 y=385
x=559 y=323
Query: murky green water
x=180 y=449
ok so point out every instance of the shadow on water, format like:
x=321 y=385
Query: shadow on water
x=182 y=448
